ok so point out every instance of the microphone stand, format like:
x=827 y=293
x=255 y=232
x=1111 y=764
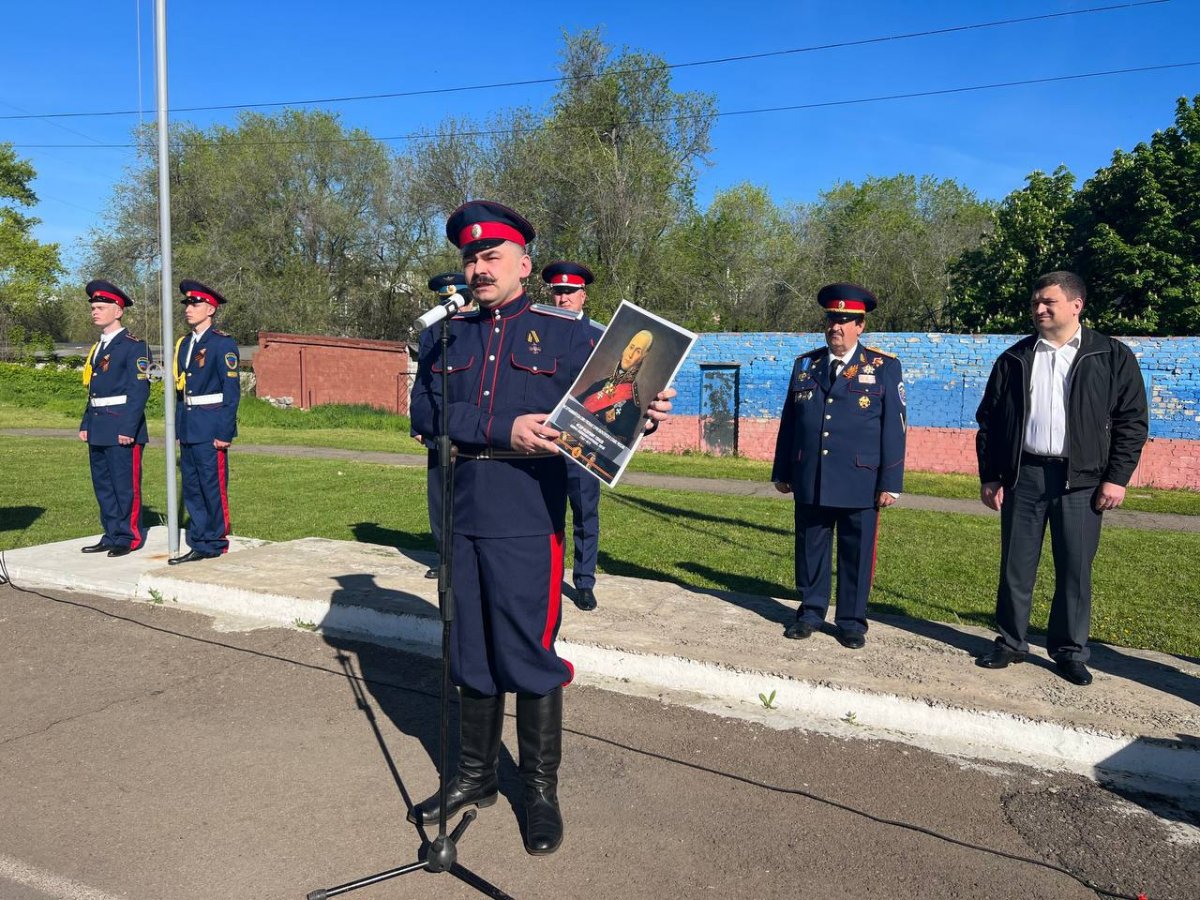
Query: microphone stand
x=442 y=854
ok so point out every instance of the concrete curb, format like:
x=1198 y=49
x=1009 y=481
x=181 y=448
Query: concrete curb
x=386 y=600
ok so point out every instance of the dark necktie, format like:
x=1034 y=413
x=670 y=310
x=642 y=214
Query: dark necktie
x=834 y=365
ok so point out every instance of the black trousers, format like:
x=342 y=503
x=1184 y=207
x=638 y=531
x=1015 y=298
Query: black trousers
x=1040 y=497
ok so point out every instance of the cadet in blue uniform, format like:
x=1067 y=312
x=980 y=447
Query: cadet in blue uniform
x=568 y=283
x=207 y=391
x=507 y=365
x=840 y=453
x=116 y=374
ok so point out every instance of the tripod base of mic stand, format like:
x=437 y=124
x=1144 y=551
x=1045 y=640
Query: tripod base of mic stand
x=442 y=856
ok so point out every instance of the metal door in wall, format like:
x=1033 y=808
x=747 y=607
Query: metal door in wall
x=720 y=407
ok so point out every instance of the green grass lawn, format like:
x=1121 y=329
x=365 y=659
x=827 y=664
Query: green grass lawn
x=935 y=566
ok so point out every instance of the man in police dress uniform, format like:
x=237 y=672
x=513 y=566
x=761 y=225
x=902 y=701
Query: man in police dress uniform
x=207 y=392
x=568 y=283
x=507 y=365
x=840 y=453
x=116 y=374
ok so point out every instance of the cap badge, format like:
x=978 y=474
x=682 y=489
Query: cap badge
x=476 y=230
x=563 y=279
x=841 y=304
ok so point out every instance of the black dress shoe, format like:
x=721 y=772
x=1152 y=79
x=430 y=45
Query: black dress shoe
x=191 y=556
x=100 y=547
x=585 y=599
x=798 y=630
x=120 y=551
x=431 y=572
x=1000 y=657
x=852 y=640
x=1074 y=671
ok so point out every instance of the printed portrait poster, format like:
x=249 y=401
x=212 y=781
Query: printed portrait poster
x=603 y=416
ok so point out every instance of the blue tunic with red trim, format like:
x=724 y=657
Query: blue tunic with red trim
x=211 y=376
x=500 y=364
x=120 y=384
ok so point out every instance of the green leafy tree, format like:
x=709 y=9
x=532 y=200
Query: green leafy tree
x=1137 y=229
x=29 y=269
x=896 y=236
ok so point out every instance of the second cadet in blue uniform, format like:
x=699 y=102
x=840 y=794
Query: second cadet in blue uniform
x=840 y=453
x=207 y=392
x=507 y=366
x=568 y=283
x=116 y=374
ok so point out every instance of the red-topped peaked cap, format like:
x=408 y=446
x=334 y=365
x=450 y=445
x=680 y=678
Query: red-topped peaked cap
x=480 y=224
x=101 y=291
x=562 y=273
x=193 y=290
x=844 y=298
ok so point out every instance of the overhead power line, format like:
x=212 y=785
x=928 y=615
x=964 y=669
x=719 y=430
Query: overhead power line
x=837 y=45
x=882 y=98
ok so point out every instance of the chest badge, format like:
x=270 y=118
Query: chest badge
x=877 y=361
x=868 y=369
x=104 y=362
x=851 y=371
x=200 y=354
x=864 y=401
x=610 y=416
x=534 y=342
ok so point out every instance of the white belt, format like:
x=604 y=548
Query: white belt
x=203 y=399
x=108 y=401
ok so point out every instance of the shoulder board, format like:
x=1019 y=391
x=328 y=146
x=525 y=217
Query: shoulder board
x=879 y=352
x=131 y=335
x=217 y=331
x=469 y=314
x=547 y=310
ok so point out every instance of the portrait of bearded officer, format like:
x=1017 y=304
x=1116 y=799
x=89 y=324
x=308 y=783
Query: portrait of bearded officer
x=614 y=400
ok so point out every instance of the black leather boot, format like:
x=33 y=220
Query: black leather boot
x=481 y=720
x=539 y=739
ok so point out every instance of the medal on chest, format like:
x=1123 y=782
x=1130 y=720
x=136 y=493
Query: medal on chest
x=200 y=354
x=104 y=362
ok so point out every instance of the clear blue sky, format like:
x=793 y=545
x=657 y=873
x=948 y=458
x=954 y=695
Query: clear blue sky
x=70 y=56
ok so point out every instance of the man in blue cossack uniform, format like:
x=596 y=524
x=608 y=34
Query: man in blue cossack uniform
x=568 y=283
x=444 y=285
x=207 y=391
x=117 y=376
x=507 y=365
x=840 y=453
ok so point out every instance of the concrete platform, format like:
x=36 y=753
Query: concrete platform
x=1138 y=724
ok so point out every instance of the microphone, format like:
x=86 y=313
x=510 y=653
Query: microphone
x=453 y=294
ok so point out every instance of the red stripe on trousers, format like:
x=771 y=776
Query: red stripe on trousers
x=874 y=550
x=135 y=516
x=223 y=480
x=554 y=602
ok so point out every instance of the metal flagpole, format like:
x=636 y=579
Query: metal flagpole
x=167 y=290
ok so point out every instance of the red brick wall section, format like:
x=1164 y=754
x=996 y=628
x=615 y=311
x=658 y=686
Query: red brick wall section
x=1166 y=462
x=313 y=370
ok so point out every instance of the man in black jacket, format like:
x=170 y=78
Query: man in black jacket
x=1061 y=428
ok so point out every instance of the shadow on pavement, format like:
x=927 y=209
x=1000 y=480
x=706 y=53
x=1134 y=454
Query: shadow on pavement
x=404 y=687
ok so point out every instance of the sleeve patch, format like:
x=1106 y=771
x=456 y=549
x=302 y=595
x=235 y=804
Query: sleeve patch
x=900 y=391
x=143 y=364
x=231 y=360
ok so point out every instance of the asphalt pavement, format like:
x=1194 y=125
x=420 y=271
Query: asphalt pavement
x=154 y=753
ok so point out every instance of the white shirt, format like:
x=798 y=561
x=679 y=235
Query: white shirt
x=105 y=340
x=1046 y=428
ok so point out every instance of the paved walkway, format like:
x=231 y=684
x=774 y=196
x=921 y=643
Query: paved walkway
x=1119 y=518
x=1138 y=723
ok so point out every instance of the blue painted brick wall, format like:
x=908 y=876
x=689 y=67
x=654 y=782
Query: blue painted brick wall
x=944 y=374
